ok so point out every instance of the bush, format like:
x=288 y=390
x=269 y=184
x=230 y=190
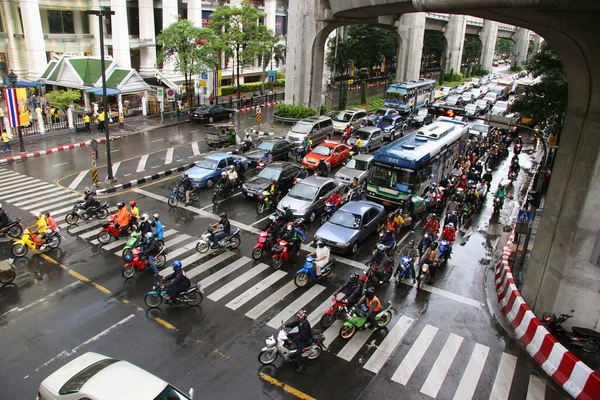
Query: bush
x=250 y=87
x=441 y=78
x=291 y=111
x=457 y=77
x=225 y=90
x=324 y=109
x=280 y=75
x=484 y=71
x=516 y=68
x=390 y=80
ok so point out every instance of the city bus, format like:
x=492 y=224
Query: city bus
x=407 y=166
x=407 y=96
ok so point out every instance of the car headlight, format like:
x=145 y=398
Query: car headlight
x=342 y=244
x=244 y=186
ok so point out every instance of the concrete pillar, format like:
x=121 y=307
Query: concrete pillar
x=147 y=54
x=15 y=56
x=537 y=42
x=94 y=28
x=34 y=38
x=86 y=100
x=194 y=12
x=120 y=33
x=145 y=103
x=521 y=37
x=412 y=33
x=170 y=15
x=488 y=43
x=455 y=37
x=77 y=22
x=270 y=9
x=120 y=103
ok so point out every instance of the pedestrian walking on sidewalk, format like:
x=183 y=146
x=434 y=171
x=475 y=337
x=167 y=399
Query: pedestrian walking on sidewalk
x=1 y=119
x=101 y=117
x=211 y=99
x=6 y=141
x=121 y=122
x=86 y=120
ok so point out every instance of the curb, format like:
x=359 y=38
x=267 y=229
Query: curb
x=570 y=373
x=57 y=149
x=148 y=178
x=271 y=104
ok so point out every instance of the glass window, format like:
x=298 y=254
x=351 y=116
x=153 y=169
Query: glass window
x=222 y=164
x=270 y=174
x=345 y=219
x=302 y=127
x=322 y=150
x=266 y=146
x=303 y=192
x=359 y=165
x=207 y=164
x=343 y=117
x=133 y=21
x=170 y=393
x=74 y=384
x=61 y=21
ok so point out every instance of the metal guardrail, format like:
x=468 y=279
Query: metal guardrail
x=283 y=120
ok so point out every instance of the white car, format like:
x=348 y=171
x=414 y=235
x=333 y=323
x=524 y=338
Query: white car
x=500 y=108
x=467 y=97
x=98 y=377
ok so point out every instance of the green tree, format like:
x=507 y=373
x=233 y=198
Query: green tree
x=504 y=47
x=472 y=49
x=192 y=49
x=343 y=95
x=441 y=79
x=434 y=44
x=63 y=98
x=263 y=46
x=237 y=29
x=363 y=92
x=547 y=100
x=338 y=61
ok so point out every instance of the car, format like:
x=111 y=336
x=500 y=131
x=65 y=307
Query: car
x=483 y=105
x=211 y=113
x=454 y=100
x=438 y=94
x=472 y=110
x=500 y=108
x=495 y=64
x=284 y=173
x=479 y=130
x=447 y=90
x=476 y=94
x=358 y=167
x=316 y=128
x=350 y=225
x=420 y=117
x=475 y=82
x=460 y=89
x=491 y=97
x=392 y=126
x=334 y=154
x=208 y=170
x=484 y=89
x=484 y=80
x=380 y=113
x=281 y=149
x=467 y=97
x=98 y=377
x=307 y=197
x=370 y=137
x=352 y=117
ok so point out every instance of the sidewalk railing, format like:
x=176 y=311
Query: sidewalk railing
x=252 y=101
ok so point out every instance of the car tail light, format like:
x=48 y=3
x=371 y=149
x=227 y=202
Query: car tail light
x=39 y=396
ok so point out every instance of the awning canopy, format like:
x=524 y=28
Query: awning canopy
x=98 y=91
x=85 y=73
x=21 y=84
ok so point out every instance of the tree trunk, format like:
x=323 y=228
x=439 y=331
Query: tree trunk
x=237 y=57
x=262 y=75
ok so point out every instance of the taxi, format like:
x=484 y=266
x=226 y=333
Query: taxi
x=334 y=153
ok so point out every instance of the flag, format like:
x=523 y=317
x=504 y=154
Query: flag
x=16 y=107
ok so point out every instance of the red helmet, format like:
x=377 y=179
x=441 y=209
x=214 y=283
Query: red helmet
x=132 y=203
x=464 y=177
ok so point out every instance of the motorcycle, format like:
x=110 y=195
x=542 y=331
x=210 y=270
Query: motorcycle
x=276 y=347
x=135 y=240
x=260 y=165
x=444 y=251
x=512 y=175
x=373 y=275
x=109 y=229
x=356 y=193
x=308 y=273
x=265 y=202
x=497 y=204
x=327 y=212
x=282 y=253
x=7 y=272
x=337 y=310
x=403 y=268
x=13 y=229
x=232 y=241
x=261 y=245
x=518 y=148
x=245 y=147
x=192 y=296
x=358 y=320
x=136 y=261
x=99 y=212
x=586 y=339
x=31 y=241
x=424 y=275
x=425 y=242
x=220 y=193
x=299 y=153
x=451 y=217
x=179 y=195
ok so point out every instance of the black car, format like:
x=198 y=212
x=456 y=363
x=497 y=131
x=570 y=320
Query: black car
x=283 y=172
x=281 y=149
x=211 y=113
x=420 y=117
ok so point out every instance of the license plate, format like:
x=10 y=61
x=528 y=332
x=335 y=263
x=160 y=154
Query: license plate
x=386 y=203
x=250 y=194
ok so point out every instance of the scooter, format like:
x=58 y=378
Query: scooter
x=220 y=193
x=281 y=253
x=497 y=204
x=232 y=241
x=337 y=310
x=512 y=175
x=192 y=296
x=518 y=148
x=358 y=320
x=14 y=229
x=372 y=274
x=109 y=230
x=425 y=242
x=403 y=268
x=131 y=243
x=451 y=217
x=280 y=347
x=261 y=245
x=308 y=273
x=260 y=165
x=99 y=212
x=265 y=202
x=327 y=212
x=299 y=153
x=31 y=241
x=356 y=193
x=586 y=339
x=444 y=251
x=136 y=261
x=424 y=275
x=179 y=195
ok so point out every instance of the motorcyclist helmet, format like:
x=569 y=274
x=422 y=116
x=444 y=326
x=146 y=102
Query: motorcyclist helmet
x=272 y=218
x=185 y=174
x=156 y=216
x=223 y=215
x=434 y=245
x=290 y=227
x=501 y=186
x=223 y=174
x=381 y=246
x=320 y=243
x=268 y=153
x=354 y=277
x=451 y=225
x=433 y=184
x=144 y=217
x=301 y=314
x=120 y=204
x=286 y=207
x=235 y=160
x=370 y=293
x=177 y=265
x=132 y=203
x=464 y=177
x=38 y=214
x=411 y=242
x=87 y=190
x=388 y=231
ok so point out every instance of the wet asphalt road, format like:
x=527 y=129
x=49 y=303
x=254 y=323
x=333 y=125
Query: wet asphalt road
x=442 y=342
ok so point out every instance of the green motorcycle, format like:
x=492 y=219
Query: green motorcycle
x=358 y=320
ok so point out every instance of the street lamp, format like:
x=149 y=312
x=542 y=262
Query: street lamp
x=12 y=77
x=101 y=14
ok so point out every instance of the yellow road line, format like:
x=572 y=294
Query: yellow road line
x=286 y=387
x=165 y=323
x=101 y=288
x=79 y=276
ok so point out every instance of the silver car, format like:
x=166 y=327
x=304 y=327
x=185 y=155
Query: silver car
x=358 y=167
x=370 y=138
x=307 y=197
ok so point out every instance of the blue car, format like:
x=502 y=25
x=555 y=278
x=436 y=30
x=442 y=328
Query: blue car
x=392 y=126
x=208 y=170
x=350 y=225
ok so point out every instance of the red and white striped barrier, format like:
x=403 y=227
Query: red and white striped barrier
x=39 y=153
x=579 y=380
x=271 y=104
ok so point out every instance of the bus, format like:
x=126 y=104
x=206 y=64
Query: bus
x=407 y=96
x=407 y=166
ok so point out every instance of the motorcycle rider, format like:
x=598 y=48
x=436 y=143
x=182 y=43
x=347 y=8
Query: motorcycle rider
x=240 y=169
x=351 y=289
x=232 y=174
x=177 y=282
x=150 y=250
x=247 y=142
x=227 y=183
x=380 y=259
x=123 y=218
x=186 y=186
x=322 y=254
x=144 y=226
x=347 y=133
x=267 y=158
x=40 y=227
x=374 y=306
x=322 y=167
x=135 y=212
x=159 y=231
x=305 y=146
x=288 y=215
x=303 y=173
x=302 y=338
x=432 y=226
x=449 y=233
x=501 y=193
x=222 y=229
x=388 y=240
x=4 y=220
x=273 y=229
x=294 y=236
x=50 y=222
x=89 y=202
x=431 y=257
x=335 y=198
x=487 y=178
x=514 y=166
x=408 y=250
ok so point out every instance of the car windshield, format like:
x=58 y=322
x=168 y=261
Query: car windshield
x=343 y=117
x=452 y=99
x=303 y=192
x=381 y=112
x=422 y=112
x=345 y=219
x=389 y=178
x=74 y=384
x=208 y=163
x=270 y=174
x=322 y=150
x=267 y=146
x=170 y=393
x=481 y=103
x=302 y=127
x=501 y=104
x=364 y=135
x=480 y=127
x=360 y=165
x=386 y=121
x=470 y=107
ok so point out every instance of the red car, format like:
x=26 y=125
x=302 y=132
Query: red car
x=334 y=154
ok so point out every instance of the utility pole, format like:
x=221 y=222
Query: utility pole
x=101 y=14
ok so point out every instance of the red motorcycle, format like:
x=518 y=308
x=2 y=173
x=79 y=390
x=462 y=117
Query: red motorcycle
x=262 y=245
x=281 y=253
x=337 y=310
x=260 y=165
x=109 y=229
x=136 y=261
x=373 y=275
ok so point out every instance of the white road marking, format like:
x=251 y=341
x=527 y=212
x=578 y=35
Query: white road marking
x=332 y=332
x=169 y=156
x=32 y=187
x=442 y=364
x=35 y=194
x=195 y=130
x=115 y=168
x=58 y=165
x=471 y=374
x=315 y=316
x=183 y=249
x=222 y=201
x=448 y=295
x=237 y=282
x=5 y=173
x=536 y=389
x=114 y=151
x=58 y=197
x=142 y=163
x=156 y=140
x=415 y=354
x=294 y=306
x=354 y=344
x=59 y=212
x=89 y=234
x=260 y=220
x=195 y=149
x=209 y=264
x=43 y=299
x=212 y=278
x=254 y=290
x=270 y=301
x=78 y=179
x=12 y=182
x=388 y=345
x=39 y=206
x=504 y=377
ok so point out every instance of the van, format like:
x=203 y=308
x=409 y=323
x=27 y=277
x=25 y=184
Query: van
x=352 y=117
x=318 y=128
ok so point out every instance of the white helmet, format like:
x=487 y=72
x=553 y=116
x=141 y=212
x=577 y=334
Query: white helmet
x=223 y=174
x=156 y=216
x=38 y=214
x=144 y=217
x=451 y=225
